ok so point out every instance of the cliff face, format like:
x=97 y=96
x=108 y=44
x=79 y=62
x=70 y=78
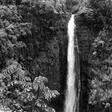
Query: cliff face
x=83 y=35
x=85 y=38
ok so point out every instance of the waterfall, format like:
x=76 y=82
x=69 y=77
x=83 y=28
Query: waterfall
x=71 y=92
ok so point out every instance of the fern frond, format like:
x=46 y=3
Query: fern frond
x=44 y=107
x=48 y=94
x=39 y=82
x=10 y=69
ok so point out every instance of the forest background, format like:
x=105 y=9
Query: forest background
x=33 y=54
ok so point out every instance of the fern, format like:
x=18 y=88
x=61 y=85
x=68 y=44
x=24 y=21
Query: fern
x=17 y=86
x=39 y=84
x=10 y=69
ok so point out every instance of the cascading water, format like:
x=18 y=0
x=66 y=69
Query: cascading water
x=71 y=92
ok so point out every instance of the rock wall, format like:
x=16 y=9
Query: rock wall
x=85 y=38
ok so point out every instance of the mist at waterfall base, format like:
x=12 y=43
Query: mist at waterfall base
x=70 y=98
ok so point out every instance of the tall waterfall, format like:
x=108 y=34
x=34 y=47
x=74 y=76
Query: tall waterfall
x=71 y=92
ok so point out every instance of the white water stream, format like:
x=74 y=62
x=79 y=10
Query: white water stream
x=70 y=102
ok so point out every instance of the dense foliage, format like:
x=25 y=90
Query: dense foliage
x=19 y=93
x=33 y=46
x=27 y=55
x=100 y=76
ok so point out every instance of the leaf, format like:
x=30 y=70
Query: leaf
x=10 y=69
x=48 y=94
x=39 y=82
